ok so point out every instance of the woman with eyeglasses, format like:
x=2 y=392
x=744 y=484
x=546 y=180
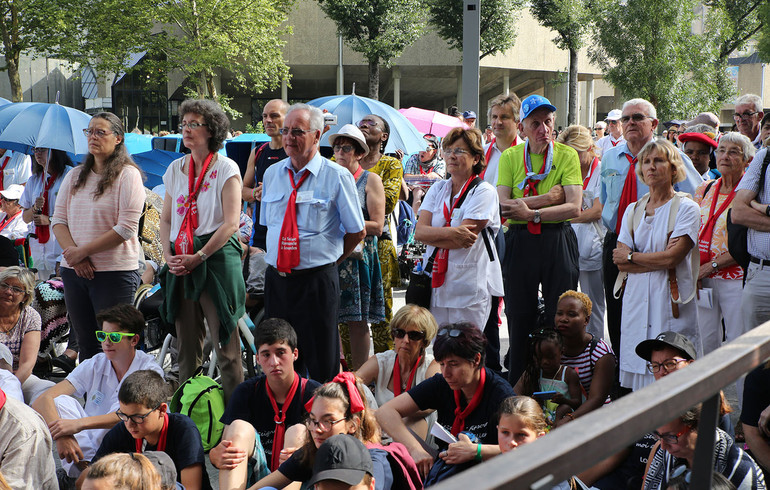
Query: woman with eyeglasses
x=361 y=291
x=674 y=454
x=720 y=278
x=466 y=396
x=202 y=277
x=20 y=328
x=95 y=222
x=398 y=370
x=459 y=220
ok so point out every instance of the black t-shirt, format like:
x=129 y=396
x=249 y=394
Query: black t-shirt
x=756 y=395
x=630 y=474
x=294 y=470
x=435 y=393
x=250 y=403
x=183 y=445
x=267 y=157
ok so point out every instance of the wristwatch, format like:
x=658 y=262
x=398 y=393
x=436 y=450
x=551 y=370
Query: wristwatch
x=202 y=255
x=767 y=210
x=714 y=265
x=536 y=219
x=631 y=257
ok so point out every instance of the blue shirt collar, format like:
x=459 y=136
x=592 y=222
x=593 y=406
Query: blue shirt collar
x=313 y=166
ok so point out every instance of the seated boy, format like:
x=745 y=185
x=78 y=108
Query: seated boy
x=147 y=426
x=78 y=430
x=263 y=407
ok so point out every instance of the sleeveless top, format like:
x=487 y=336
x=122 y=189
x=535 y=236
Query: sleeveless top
x=559 y=385
x=361 y=190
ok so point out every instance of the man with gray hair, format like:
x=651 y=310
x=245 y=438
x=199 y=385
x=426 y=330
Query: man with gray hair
x=748 y=114
x=314 y=220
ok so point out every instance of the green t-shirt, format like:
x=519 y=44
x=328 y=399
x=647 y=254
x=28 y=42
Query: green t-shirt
x=565 y=170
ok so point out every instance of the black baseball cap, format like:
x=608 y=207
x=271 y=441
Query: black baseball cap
x=666 y=339
x=343 y=458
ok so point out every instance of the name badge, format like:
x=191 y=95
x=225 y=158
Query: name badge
x=304 y=196
x=97 y=397
x=455 y=214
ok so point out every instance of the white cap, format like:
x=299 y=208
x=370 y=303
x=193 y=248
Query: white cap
x=13 y=192
x=352 y=132
x=614 y=115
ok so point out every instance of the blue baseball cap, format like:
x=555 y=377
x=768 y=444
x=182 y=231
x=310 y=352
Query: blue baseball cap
x=469 y=115
x=532 y=103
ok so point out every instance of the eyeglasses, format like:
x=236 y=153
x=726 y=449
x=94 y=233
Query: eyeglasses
x=43 y=150
x=114 y=337
x=669 y=438
x=296 y=132
x=669 y=365
x=137 y=419
x=456 y=151
x=343 y=148
x=191 y=126
x=744 y=115
x=325 y=424
x=7 y=287
x=99 y=133
x=367 y=123
x=429 y=148
x=730 y=153
x=453 y=332
x=638 y=117
x=598 y=129
x=414 y=335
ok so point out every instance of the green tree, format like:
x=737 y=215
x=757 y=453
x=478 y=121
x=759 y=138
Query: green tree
x=646 y=48
x=378 y=29
x=570 y=19
x=763 y=46
x=497 y=23
x=732 y=23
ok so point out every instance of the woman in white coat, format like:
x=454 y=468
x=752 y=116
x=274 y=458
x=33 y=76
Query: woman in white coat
x=454 y=217
x=655 y=244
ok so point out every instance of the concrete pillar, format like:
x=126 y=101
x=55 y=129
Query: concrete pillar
x=284 y=91
x=397 y=87
x=556 y=91
x=506 y=83
x=590 y=115
x=459 y=71
x=471 y=48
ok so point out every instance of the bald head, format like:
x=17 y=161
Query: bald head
x=273 y=115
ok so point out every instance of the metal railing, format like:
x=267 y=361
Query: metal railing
x=592 y=438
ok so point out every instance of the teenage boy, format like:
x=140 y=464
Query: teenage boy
x=343 y=463
x=147 y=426
x=263 y=407
x=78 y=430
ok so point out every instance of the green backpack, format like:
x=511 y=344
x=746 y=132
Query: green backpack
x=203 y=400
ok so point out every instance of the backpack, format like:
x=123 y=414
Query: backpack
x=203 y=400
x=407 y=222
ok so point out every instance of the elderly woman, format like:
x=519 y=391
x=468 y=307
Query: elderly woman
x=458 y=221
x=39 y=200
x=361 y=299
x=466 y=396
x=95 y=222
x=20 y=328
x=588 y=226
x=721 y=278
x=656 y=247
x=396 y=371
x=12 y=225
x=202 y=276
x=675 y=452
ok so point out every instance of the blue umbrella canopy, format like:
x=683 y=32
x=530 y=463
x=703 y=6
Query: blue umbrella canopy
x=154 y=164
x=25 y=125
x=350 y=109
x=138 y=143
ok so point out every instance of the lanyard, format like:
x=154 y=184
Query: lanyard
x=590 y=173
x=448 y=212
x=141 y=443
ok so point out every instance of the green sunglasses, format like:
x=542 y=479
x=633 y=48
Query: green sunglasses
x=114 y=337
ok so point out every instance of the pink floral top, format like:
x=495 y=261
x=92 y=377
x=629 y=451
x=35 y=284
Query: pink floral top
x=719 y=240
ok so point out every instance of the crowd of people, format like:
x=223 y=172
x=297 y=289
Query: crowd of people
x=563 y=234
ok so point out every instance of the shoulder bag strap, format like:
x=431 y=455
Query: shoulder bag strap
x=634 y=218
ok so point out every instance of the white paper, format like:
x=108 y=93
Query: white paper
x=438 y=431
x=705 y=298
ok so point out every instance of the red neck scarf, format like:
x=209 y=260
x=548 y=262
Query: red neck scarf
x=531 y=188
x=707 y=230
x=441 y=262
x=2 y=399
x=7 y=220
x=288 y=244
x=184 y=241
x=460 y=415
x=280 y=419
x=161 y=440
x=397 y=376
x=488 y=155
x=356 y=174
x=2 y=172
x=590 y=173
x=614 y=143
x=43 y=232
x=629 y=191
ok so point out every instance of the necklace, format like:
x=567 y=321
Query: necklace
x=4 y=322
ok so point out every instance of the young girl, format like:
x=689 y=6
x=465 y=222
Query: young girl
x=544 y=372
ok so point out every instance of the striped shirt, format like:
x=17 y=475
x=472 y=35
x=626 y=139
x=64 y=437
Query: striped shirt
x=585 y=362
x=758 y=241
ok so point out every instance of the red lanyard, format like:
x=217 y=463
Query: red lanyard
x=2 y=174
x=280 y=419
x=161 y=440
x=397 y=390
x=590 y=173
x=460 y=415
x=448 y=212
x=488 y=155
x=195 y=187
x=707 y=231
x=7 y=220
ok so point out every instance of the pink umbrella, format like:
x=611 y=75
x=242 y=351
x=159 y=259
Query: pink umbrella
x=432 y=122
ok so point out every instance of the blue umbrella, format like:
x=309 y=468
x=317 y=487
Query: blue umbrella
x=137 y=143
x=350 y=109
x=4 y=102
x=154 y=163
x=26 y=125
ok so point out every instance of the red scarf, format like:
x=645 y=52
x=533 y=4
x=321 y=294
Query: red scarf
x=184 y=240
x=280 y=419
x=2 y=173
x=288 y=244
x=441 y=262
x=531 y=190
x=460 y=415
x=614 y=143
x=397 y=376
x=2 y=399
x=488 y=155
x=590 y=173
x=7 y=220
x=629 y=191
x=707 y=230
x=161 y=440
x=43 y=232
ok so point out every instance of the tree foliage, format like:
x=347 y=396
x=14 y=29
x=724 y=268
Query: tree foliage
x=763 y=46
x=378 y=29
x=497 y=23
x=646 y=48
x=732 y=23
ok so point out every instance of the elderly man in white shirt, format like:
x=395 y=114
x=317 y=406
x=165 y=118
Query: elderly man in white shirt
x=12 y=226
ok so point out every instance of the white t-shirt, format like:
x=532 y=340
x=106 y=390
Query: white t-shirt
x=16 y=228
x=210 y=212
x=606 y=142
x=591 y=235
x=18 y=169
x=493 y=163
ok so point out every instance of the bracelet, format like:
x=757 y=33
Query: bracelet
x=570 y=415
x=478 y=453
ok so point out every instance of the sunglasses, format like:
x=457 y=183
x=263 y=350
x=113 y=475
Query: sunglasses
x=637 y=118
x=414 y=335
x=453 y=333
x=114 y=337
